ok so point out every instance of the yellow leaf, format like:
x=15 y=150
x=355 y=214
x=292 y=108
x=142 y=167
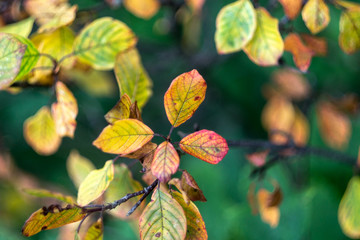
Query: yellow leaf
x=40 y=132
x=123 y=184
x=95 y=231
x=64 y=111
x=291 y=7
x=235 y=26
x=142 y=8
x=269 y=214
x=52 y=217
x=266 y=46
x=162 y=218
x=64 y=16
x=349 y=38
x=349 y=209
x=49 y=194
x=166 y=161
x=100 y=41
x=124 y=137
x=95 y=184
x=196 y=229
x=120 y=111
x=301 y=54
x=184 y=96
x=22 y=28
x=348 y=5
x=316 y=15
x=205 y=145
x=78 y=167
x=132 y=78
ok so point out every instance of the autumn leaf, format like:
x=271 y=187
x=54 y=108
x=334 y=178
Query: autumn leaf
x=301 y=54
x=64 y=16
x=22 y=28
x=166 y=161
x=100 y=41
x=95 y=184
x=205 y=145
x=235 y=26
x=142 y=152
x=349 y=37
x=132 y=77
x=300 y=129
x=291 y=7
x=142 y=8
x=316 y=15
x=78 y=167
x=348 y=5
x=123 y=184
x=120 y=111
x=162 y=218
x=257 y=159
x=191 y=188
x=95 y=231
x=196 y=229
x=52 y=217
x=40 y=132
x=196 y=5
x=266 y=46
x=349 y=209
x=10 y=59
x=64 y=111
x=50 y=194
x=269 y=214
x=124 y=137
x=184 y=96
x=316 y=44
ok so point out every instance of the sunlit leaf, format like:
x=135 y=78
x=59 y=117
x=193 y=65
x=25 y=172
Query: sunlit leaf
x=10 y=58
x=52 y=217
x=64 y=111
x=95 y=231
x=132 y=78
x=257 y=159
x=64 y=16
x=184 y=96
x=100 y=41
x=205 y=145
x=22 y=28
x=142 y=8
x=166 y=161
x=191 y=188
x=349 y=209
x=349 y=5
x=235 y=26
x=196 y=229
x=317 y=44
x=269 y=214
x=124 y=137
x=120 y=111
x=50 y=194
x=349 y=38
x=291 y=7
x=335 y=127
x=301 y=54
x=123 y=184
x=40 y=132
x=162 y=218
x=95 y=184
x=316 y=15
x=78 y=167
x=266 y=46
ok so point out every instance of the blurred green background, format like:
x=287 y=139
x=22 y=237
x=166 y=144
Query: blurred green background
x=312 y=186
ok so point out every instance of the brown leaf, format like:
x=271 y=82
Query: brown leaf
x=135 y=111
x=189 y=185
x=317 y=44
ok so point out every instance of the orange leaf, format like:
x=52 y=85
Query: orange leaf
x=316 y=15
x=301 y=54
x=142 y=8
x=120 y=111
x=270 y=215
x=195 y=4
x=316 y=44
x=291 y=7
x=40 y=133
x=166 y=161
x=124 y=137
x=300 y=129
x=205 y=145
x=184 y=96
x=335 y=127
x=64 y=111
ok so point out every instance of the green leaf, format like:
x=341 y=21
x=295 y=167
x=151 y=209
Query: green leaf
x=95 y=184
x=50 y=194
x=95 y=231
x=132 y=78
x=100 y=42
x=349 y=37
x=78 y=167
x=163 y=218
x=10 y=58
x=235 y=26
x=22 y=28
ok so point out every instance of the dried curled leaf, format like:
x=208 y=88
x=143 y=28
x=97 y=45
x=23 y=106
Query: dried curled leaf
x=191 y=188
x=95 y=184
x=162 y=218
x=52 y=217
x=316 y=15
x=184 y=96
x=235 y=26
x=40 y=132
x=120 y=111
x=166 y=161
x=78 y=167
x=124 y=137
x=205 y=145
